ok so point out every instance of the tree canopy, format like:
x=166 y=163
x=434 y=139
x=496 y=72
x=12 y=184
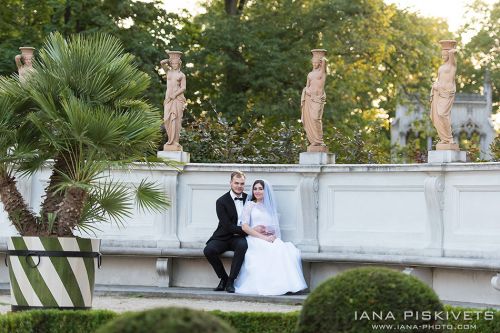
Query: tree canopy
x=143 y=27
x=481 y=55
x=246 y=62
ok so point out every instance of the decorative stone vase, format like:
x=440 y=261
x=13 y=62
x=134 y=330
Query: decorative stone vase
x=447 y=44
x=318 y=53
x=52 y=272
x=174 y=55
x=27 y=52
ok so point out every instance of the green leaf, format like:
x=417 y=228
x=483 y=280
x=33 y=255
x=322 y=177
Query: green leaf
x=150 y=197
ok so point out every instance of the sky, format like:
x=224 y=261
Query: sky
x=453 y=11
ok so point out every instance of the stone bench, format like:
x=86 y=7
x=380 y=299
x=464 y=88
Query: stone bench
x=419 y=266
x=411 y=264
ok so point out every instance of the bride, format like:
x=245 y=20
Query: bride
x=271 y=266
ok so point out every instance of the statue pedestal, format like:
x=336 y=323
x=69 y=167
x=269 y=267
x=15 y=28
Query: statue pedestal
x=316 y=158
x=178 y=156
x=446 y=156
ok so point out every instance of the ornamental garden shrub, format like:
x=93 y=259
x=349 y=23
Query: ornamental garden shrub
x=260 y=322
x=356 y=300
x=167 y=320
x=54 y=321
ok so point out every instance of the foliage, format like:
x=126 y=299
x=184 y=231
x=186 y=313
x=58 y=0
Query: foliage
x=54 y=321
x=334 y=304
x=479 y=321
x=253 y=72
x=168 y=320
x=481 y=54
x=479 y=61
x=246 y=68
x=262 y=322
x=82 y=107
x=212 y=139
x=61 y=321
x=495 y=149
x=144 y=28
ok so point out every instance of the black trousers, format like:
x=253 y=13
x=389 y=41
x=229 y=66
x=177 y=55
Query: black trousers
x=216 y=247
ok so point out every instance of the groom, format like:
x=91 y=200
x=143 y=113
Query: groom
x=229 y=236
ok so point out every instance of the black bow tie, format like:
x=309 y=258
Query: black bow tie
x=239 y=199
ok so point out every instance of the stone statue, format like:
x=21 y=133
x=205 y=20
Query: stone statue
x=313 y=101
x=24 y=62
x=175 y=102
x=443 y=96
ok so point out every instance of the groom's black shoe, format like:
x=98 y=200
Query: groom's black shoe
x=222 y=285
x=230 y=286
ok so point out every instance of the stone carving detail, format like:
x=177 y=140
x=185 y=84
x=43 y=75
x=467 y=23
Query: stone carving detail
x=495 y=281
x=309 y=199
x=434 y=199
x=164 y=270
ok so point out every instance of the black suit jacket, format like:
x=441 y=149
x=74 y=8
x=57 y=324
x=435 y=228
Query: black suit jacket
x=228 y=219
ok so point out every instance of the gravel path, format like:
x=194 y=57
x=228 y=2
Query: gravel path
x=137 y=303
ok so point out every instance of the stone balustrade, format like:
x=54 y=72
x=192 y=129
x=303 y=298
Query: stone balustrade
x=440 y=222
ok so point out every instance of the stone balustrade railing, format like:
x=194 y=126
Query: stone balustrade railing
x=441 y=221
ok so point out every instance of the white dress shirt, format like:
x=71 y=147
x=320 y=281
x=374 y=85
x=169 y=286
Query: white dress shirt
x=238 y=204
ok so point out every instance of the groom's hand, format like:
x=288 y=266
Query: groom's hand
x=260 y=229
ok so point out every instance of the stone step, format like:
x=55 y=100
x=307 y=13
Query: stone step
x=190 y=293
x=198 y=293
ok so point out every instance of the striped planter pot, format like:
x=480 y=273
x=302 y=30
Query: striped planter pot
x=52 y=272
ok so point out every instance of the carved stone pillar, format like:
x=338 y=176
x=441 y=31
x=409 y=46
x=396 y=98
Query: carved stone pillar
x=309 y=187
x=434 y=200
x=169 y=238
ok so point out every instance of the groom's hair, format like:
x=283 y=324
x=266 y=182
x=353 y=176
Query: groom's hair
x=238 y=174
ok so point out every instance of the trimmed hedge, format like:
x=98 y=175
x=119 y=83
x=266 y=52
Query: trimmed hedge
x=55 y=321
x=473 y=320
x=167 y=320
x=260 y=322
x=359 y=298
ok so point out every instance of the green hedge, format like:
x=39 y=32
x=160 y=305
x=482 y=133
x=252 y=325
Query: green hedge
x=476 y=320
x=54 y=321
x=331 y=306
x=167 y=320
x=260 y=322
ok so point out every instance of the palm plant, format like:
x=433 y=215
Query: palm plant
x=81 y=112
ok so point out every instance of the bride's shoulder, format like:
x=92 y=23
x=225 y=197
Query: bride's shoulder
x=250 y=203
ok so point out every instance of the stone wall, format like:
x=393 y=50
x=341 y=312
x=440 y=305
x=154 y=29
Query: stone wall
x=438 y=222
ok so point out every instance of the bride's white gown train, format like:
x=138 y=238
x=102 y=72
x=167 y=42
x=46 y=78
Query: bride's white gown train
x=269 y=268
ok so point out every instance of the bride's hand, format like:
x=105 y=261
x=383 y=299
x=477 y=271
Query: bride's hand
x=270 y=239
x=260 y=229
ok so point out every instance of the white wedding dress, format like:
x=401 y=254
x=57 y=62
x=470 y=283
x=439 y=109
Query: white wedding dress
x=269 y=268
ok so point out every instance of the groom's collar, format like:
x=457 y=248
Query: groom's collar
x=233 y=195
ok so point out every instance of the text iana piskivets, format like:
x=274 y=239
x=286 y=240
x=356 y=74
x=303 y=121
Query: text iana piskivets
x=423 y=315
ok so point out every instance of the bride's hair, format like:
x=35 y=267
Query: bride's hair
x=258 y=181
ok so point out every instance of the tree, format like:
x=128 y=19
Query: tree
x=254 y=65
x=234 y=7
x=83 y=108
x=144 y=28
x=480 y=57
